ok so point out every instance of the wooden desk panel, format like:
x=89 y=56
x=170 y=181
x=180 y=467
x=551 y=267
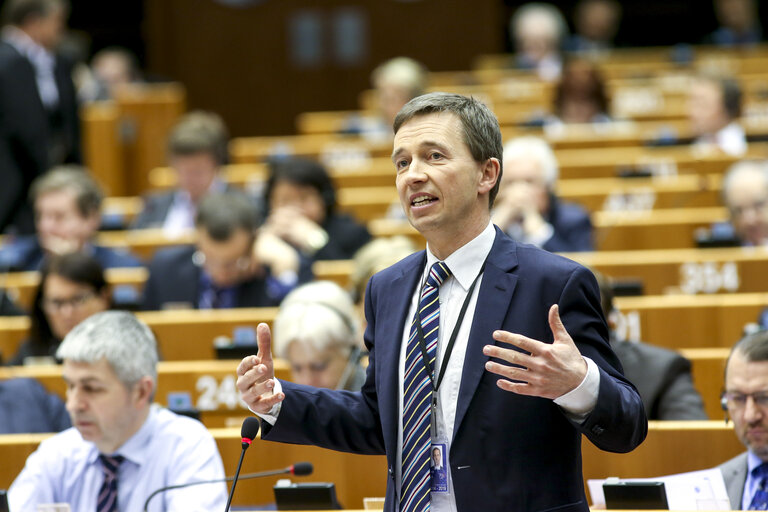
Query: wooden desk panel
x=357 y=476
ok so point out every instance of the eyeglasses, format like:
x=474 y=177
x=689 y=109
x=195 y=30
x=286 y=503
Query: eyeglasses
x=241 y=264
x=757 y=206
x=736 y=400
x=75 y=302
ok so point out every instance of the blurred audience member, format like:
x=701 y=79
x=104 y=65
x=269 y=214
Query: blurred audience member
x=197 y=148
x=580 y=95
x=396 y=82
x=115 y=67
x=39 y=126
x=72 y=288
x=745 y=194
x=538 y=30
x=714 y=108
x=120 y=444
x=26 y=408
x=8 y=308
x=373 y=257
x=662 y=377
x=527 y=208
x=67 y=203
x=739 y=23
x=222 y=270
x=317 y=332
x=302 y=211
x=595 y=23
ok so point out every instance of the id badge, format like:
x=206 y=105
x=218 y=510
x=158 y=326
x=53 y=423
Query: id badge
x=438 y=469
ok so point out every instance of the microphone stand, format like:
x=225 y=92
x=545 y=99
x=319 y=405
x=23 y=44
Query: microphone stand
x=246 y=444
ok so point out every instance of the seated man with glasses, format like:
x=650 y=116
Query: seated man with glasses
x=745 y=400
x=229 y=266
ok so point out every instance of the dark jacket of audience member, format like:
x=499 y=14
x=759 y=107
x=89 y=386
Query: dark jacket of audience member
x=661 y=376
x=76 y=268
x=26 y=407
x=175 y=281
x=33 y=136
x=572 y=227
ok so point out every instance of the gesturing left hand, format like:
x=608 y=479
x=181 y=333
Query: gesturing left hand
x=548 y=370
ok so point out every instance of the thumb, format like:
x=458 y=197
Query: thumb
x=264 y=340
x=558 y=329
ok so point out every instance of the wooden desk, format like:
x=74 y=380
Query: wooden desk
x=182 y=335
x=357 y=476
x=708 y=370
x=687 y=271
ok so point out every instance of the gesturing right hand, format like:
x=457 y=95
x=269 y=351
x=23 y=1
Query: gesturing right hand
x=256 y=375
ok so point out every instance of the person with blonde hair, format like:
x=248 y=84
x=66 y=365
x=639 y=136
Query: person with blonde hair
x=317 y=331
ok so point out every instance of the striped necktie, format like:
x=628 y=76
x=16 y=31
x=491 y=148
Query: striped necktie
x=107 y=501
x=417 y=395
x=760 y=498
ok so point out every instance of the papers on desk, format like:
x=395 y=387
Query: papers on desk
x=697 y=490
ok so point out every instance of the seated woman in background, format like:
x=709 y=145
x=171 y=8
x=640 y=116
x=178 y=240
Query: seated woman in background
x=317 y=332
x=580 y=96
x=302 y=211
x=72 y=288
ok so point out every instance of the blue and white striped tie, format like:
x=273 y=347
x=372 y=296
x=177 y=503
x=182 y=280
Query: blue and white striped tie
x=417 y=395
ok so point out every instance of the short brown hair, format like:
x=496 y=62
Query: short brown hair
x=200 y=132
x=482 y=134
x=88 y=194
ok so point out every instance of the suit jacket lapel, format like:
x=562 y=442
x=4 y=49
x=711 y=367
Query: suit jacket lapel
x=392 y=314
x=493 y=299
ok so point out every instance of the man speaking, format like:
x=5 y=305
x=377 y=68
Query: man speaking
x=496 y=350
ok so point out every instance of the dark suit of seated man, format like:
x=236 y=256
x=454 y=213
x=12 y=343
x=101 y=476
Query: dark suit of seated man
x=26 y=407
x=745 y=401
x=67 y=203
x=223 y=270
x=528 y=372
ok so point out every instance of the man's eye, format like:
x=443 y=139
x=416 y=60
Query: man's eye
x=401 y=164
x=435 y=155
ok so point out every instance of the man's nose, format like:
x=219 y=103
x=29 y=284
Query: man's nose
x=415 y=172
x=752 y=412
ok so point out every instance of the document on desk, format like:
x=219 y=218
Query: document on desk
x=697 y=490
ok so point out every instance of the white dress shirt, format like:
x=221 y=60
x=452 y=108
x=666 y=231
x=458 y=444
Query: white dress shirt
x=168 y=449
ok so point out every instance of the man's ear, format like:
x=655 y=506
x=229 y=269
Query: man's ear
x=491 y=170
x=144 y=391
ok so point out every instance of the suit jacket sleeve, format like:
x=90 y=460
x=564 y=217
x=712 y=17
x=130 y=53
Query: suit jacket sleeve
x=340 y=420
x=618 y=423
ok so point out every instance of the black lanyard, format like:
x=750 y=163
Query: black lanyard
x=451 y=341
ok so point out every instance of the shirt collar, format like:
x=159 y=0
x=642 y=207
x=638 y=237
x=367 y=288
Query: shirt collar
x=466 y=261
x=136 y=449
x=753 y=461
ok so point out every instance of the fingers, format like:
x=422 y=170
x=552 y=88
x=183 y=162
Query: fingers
x=264 y=340
x=528 y=344
x=556 y=324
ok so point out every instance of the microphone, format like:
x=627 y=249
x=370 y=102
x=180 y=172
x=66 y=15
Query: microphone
x=248 y=431
x=298 y=469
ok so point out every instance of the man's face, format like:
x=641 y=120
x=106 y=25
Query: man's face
x=443 y=190
x=747 y=201
x=304 y=198
x=196 y=173
x=750 y=421
x=102 y=409
x=61 y=228
x=49 y=29
x=706 y=111
x=67 y=303
x=226 y=262
x=524 y=178
x=321 y=369
x=437 y=457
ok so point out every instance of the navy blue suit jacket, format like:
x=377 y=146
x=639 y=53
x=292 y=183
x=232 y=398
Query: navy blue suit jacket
x=26 y=407
x=509 y=452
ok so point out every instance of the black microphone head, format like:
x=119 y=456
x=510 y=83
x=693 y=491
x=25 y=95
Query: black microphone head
x=250 y=428
x=302 y=469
